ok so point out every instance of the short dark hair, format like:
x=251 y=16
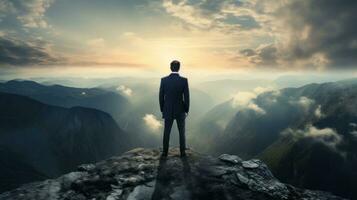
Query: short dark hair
x=175 y=66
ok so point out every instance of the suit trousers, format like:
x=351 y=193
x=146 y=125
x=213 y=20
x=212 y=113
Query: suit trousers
x=167 y=130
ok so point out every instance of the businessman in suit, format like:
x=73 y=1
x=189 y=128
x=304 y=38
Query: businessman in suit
x=174 y=98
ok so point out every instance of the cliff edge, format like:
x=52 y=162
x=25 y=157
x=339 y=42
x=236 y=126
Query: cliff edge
x=140 y=174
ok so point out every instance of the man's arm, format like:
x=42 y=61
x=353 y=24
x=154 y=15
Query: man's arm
x=186 y=97
x=161 y=96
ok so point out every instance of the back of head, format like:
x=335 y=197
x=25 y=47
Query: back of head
x=175 y=66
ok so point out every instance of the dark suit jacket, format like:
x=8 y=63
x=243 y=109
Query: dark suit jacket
x=174 y=96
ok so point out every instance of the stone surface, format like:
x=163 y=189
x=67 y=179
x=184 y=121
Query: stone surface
x=250 y=164
x=140 y=174
x=230 y=158
x=86 y=167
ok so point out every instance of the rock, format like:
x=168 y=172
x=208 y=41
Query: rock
x=250 y=164
x=142 y=192
x=69 y=178
x=132 y=180
x=216 y=171
x=244 y=180
x=115 y=194
x=230 y=158
x=140 y=174
x=86 y=167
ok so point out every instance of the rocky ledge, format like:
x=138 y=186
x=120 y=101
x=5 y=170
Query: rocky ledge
x=140 y=174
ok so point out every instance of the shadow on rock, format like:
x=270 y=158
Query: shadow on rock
x=174 y=179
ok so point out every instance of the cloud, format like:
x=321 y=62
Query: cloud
x=246 y=99
x=322 y=30
x=259 y=90
x=5 y=8
x=37 y=52
x=304 y=102
x=311 y=34
x=152 y=122
x=282 y=34
x=245 y=22
x=271 y=97
x=30 y=12
x=17 y=52
x=243 y=98
x=327 y=136
x=353 y=125
x=216 y=14
x=187 y=13
x=256 y=108
x=318 y=113
x=264 y=55
x=308 y=106
x=125 y=90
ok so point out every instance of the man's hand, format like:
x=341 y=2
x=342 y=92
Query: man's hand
x=186 y=114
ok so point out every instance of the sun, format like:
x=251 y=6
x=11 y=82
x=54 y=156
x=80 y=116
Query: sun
x=165 y=54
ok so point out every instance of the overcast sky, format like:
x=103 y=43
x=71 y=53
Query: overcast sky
x=106 y=35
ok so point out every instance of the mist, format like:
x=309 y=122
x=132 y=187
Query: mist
x=209 y=93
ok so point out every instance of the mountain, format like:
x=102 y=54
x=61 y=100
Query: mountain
x=303 y=79
x=307 y=135
x=41 y=141
x=312 y=164
x=15 y=170
x=140 y=174
x=211 y=125
x=127 y=109
x=107 y=101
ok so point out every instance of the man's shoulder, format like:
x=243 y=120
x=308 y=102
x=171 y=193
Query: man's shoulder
x=168 y=77
x=164 y=78
x=183 y=78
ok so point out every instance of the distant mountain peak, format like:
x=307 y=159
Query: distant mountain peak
x=23 y=82
x=141 y=174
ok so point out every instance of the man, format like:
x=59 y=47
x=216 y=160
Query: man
x=174 y=98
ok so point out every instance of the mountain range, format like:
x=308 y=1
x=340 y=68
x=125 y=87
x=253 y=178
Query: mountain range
x=307 y=135
x=58 y=95
x=39 y=141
